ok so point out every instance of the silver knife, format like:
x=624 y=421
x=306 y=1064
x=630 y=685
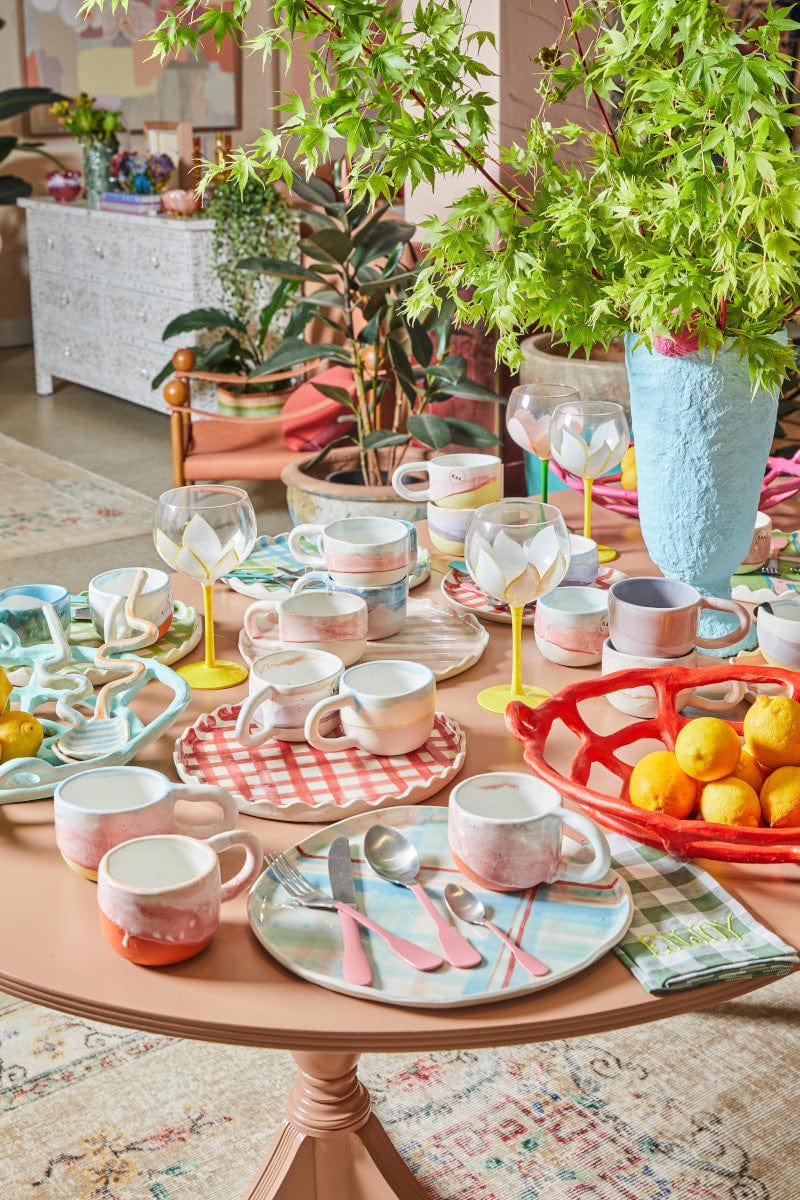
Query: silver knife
x=355 y=964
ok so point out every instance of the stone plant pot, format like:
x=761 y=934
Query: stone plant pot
x=312 y=498
x=600 y=377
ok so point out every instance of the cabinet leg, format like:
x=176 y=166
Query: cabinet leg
x=330 y=1146
x=44 y=382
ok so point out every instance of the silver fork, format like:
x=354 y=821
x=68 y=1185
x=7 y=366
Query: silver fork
x=309 y=896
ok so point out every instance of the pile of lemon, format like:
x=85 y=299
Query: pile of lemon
x=21 y=735
x=711 y=775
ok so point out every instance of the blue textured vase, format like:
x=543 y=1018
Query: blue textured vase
x=702 y=440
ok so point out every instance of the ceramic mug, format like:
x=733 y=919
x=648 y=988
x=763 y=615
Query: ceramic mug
x=386 y=605
x=447 y=528
x=365 y=551
x=583 y=563
x=21 y=610
x=109 y=591
x=284 y=687
x=319 y=620
x=760 y=547
x=385 y=707
x=778 y=625
x=159 y=897
x=454 y=480
x=506 y=829
x=642 y=701
x=571 y=624
x=99 y=808
x=660 y=618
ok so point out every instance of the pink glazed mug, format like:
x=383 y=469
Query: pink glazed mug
x=101 y=807
x=660 y=618
x=159 y=897
x=505 y=831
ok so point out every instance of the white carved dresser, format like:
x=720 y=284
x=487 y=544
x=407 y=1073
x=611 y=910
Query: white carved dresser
x=103 y=287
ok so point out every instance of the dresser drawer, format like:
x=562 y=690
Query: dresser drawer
x=144 y=315
x=143 y=256
x=66 y=302
x=52 y=245
x=73 y=355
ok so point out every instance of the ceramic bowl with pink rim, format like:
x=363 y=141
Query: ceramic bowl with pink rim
x=159 y=897
x=506 y=833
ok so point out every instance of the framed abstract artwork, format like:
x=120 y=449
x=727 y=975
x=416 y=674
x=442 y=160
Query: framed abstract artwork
x=106 y=55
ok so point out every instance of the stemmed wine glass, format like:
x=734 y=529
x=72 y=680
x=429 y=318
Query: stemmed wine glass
x=528 y=414
x=588 y=438
x=516 y=551
x=205 y=531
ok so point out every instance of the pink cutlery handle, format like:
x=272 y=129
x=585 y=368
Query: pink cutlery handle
x=423 y=960
x=457 y=950
x=355 y=964
x=534 y=966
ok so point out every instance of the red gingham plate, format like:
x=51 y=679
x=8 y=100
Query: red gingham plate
x=291 y=781
x=461 y=590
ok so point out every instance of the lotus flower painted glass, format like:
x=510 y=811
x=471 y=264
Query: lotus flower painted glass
x=528 y=415
x=588 y=438
x=516 y=551
x=204 y=531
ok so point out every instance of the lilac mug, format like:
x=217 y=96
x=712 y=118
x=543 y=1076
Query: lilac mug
x=660 y=618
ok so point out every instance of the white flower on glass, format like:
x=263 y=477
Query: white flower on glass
x=201 y=555
x=531 y=433
x=592 y=459
x=518 y=573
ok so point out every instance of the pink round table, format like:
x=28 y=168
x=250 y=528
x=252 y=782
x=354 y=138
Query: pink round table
x=330 y=1146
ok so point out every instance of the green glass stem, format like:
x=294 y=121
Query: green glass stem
x=545 y=468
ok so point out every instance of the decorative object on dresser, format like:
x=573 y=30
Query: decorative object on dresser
x=102 y=289
x=96 y=129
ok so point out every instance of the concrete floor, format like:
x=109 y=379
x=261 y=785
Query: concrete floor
x=111 y=437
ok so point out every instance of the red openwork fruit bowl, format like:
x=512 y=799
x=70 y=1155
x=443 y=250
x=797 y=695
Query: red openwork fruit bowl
x=781 y=482
x=548 y=734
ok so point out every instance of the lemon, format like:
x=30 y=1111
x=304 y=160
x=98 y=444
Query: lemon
x=658 y=784
x=772 y=731
x=629 y=479
x=780 y=798
x=21 y=735
x=750 y=771
x=708 y=748
x=5 y=690
x=730 y=801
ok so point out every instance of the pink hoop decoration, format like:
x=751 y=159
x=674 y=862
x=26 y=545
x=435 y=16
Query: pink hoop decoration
x=781 y=482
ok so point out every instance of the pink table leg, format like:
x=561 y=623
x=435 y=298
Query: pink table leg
x=330 y=1146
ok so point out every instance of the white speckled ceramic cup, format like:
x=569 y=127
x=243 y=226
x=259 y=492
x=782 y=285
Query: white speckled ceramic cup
x=336 y=622
x=571 y=625
x=760 y=546
x=583 y=562
x=284 y=687
x=386 y=707
x=642 y=702
x=506 y=829
x=778 y=625
x=365 y=551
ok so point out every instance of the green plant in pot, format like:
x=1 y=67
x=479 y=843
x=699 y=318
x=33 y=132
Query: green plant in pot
x=667 y=217
x=358 y=261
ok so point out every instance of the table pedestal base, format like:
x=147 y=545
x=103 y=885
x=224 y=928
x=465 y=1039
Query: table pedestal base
x=330 y=1146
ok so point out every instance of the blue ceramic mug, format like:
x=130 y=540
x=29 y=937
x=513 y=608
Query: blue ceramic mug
x=386 y=603
x=21 y=610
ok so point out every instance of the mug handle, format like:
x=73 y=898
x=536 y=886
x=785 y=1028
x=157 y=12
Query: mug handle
x=316 y=577
x=411 y=469
x=256 y=630
x=242 y=733
x=590 y=872
x=253 y=861
x=717 y=604
x=111 y=625
x=320 y=710
x=313 y=533
x=733 y=696
x=205 y=791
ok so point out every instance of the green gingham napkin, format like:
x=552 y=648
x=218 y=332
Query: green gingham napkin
x=686 y=929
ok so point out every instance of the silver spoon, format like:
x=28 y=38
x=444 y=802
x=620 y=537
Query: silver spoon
x=467 y=907
x=393 y=857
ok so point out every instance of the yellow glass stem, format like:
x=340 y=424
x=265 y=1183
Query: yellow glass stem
x=516 y=651
x=587 y=508
x=208 y=614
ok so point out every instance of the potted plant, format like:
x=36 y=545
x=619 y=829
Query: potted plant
x=96 y=129
x=674 y=229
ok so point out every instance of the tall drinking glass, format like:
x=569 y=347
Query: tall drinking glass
x=528 y=413
x=588 y=438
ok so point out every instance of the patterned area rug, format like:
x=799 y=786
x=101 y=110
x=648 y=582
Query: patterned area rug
x=47 y=504
x=698 y=1108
